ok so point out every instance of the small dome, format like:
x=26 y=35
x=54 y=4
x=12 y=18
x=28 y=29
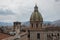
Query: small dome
x=36 y=16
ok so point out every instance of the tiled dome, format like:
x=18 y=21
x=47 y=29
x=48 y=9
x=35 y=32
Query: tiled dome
x=36 y=16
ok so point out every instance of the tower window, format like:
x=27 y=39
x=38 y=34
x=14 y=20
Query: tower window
x=38 y=35
x=37 y=25
x=32 y=25
x=41 y=24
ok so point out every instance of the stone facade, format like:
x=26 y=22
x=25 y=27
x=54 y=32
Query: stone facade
x=45 y=35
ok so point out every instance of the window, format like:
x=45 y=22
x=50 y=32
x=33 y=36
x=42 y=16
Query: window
x=38 y=35
x=58 y=34
x=28 y=34
x=41 y=24
x=52 y=34
x=32 y=25
x=36 y=25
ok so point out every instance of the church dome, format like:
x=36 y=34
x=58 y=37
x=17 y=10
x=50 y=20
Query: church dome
x=36 y=16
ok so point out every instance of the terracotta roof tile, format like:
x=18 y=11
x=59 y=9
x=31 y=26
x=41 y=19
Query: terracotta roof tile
x=3 y=36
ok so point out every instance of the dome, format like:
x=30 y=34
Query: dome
x=36 y=16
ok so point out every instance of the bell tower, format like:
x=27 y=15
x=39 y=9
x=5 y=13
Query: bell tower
x=17 y=27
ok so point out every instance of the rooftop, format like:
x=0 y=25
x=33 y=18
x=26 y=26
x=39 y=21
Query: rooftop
x=3 y=36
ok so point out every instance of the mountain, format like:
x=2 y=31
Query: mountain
x=47 y=22
x=56 y=23
x=6 y=24
x=28 y=23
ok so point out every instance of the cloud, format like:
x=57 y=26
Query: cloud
x=22 y=9
x=48 y=8
x=6 y=12
x=7 y=18
x=57 y=0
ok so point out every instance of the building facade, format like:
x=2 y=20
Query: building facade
x=37 y=32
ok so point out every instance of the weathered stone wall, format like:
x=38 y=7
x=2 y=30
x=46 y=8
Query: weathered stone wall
x=43 y=34
x=33 y=35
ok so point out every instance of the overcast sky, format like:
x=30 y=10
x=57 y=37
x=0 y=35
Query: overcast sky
x=21 y=10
